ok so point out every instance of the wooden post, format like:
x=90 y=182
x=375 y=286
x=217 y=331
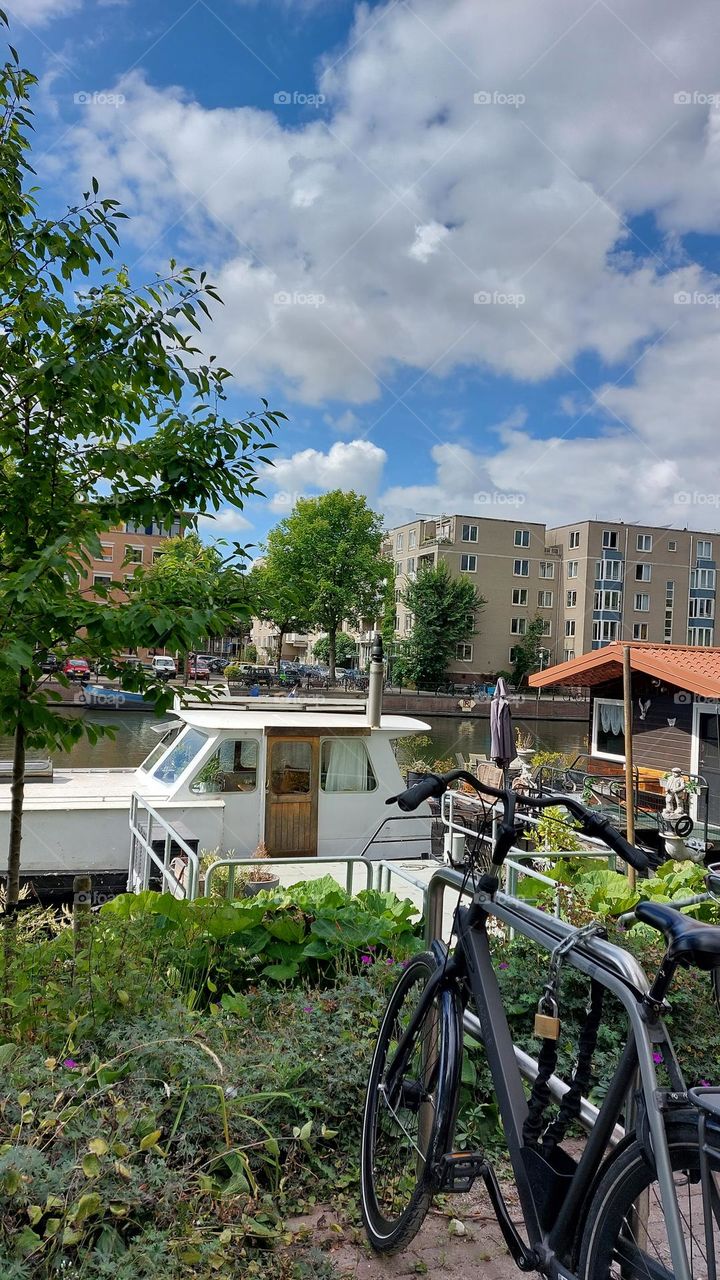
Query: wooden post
x=629 y=773
x=82 y=908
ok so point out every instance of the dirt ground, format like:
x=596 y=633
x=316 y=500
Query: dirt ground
x=437 y=1250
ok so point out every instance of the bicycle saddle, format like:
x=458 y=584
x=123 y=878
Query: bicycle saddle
x=689 y=942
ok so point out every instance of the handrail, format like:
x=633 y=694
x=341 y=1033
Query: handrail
x=142 y=853
x=400 y=817
x=234 y=863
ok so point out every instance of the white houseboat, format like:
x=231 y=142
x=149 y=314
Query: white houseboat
x=308 y=777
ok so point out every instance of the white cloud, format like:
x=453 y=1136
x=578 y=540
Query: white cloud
x=377 y=225
x=227 y=523
x=345 y=424
x=38 y=12
x=357 y=464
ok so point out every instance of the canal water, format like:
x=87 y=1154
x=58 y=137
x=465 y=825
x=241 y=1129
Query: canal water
x=135 y=735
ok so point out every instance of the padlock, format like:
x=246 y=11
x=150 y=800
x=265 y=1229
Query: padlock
x=547 y=1022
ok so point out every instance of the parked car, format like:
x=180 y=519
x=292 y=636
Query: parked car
x=76 y=669
x=164 y=667
x=263 y=675
x=50 y=663
x=198 y=670
x=217 y=663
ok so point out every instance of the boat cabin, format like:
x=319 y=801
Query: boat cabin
x=675 y=712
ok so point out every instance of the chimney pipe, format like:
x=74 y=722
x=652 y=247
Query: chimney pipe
x=375 y=686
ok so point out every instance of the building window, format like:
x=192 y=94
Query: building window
x=469 y=533
x=345 y=766
x=412 y=540
x=464 y=652
x=518 y=626
x=605 y=631
x=609 y=570
x=407 y=625
x=520 y=595
x=574 y=538
x=106 y=552
x=700 y=637
x=568 y=655
x=608 y=729
x=640 y=630
x=643 y=572
x=101 y=579
x=572 y=569
x=570 y=628
x=546 y=627
x=642 y=602
x=702 y=607
x=610 y=539
x=547 y=569
x=444 y=531
x=399 y=542
x=610 y=600
x=522 y=538
x=468 y=564
x=704 y=579
x=570 y=599
x=399 y=564
x=545 y=599
x=133 y=555
x=672 y=544
x=411 y=564
x=644 y=542
x=704 y=549
x=157 y=553
x=521 y=568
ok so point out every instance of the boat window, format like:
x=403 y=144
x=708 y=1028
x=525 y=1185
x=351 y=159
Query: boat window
x=161 y=746
x=291 y=768
x=188 y=745
x=233 y=767
x=345 y=766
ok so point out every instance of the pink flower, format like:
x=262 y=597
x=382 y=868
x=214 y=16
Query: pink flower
x=71 y=1064
x=705 y=1084
x=366 y=959
x=503 y=965
x=657 y=1058
x=389 y=960
x=307 y=1008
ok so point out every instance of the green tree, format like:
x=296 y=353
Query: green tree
x=345 y=649
x=109 y=415
x=526 y=653
x=276 y=595
x=444 y=609
x=330 y=551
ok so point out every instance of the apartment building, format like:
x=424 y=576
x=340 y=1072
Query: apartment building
x=634 y=582
x=508 y=562
x=125 y=548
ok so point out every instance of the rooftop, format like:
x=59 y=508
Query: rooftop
x=685 y=666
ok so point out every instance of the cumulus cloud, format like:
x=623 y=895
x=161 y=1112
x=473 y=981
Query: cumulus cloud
x=357 y=464
x=38 y=12
x=227 y=523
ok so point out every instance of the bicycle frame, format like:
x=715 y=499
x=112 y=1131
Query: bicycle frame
x=619 y=973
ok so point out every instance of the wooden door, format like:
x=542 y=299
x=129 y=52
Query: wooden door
x=291 y=795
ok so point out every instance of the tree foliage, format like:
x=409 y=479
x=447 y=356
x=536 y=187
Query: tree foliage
x=527 y=651
x=109 y=414
x=277 y=596
x=345 y=649
x=329 y=549
x=444 y=609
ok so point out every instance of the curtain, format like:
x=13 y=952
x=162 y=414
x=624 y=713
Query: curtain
x=346 y=766
x=612 y=719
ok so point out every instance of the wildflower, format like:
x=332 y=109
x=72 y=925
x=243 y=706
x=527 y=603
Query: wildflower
x=657 y=1058
x=307 y=1008
x=71 y=1064
x=389 y=960
x=503 y=965
x=366 y=959
x=705 y=1084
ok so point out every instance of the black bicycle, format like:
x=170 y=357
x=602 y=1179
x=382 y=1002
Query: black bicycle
x=642 y=1201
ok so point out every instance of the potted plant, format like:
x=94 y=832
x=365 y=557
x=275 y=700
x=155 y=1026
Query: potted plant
x=211 y=776
x=524 y=746
x=254 y=880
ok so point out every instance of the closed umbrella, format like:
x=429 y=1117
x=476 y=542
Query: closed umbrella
x=502 y=742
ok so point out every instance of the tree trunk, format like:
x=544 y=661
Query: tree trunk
x=332 y=632
x=17 y=797
x=281 y=637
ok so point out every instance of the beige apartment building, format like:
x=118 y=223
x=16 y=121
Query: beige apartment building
x=123 y=550
x=634 y=582
x=510 y=565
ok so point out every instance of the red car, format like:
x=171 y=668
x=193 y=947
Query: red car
x=76 y=669
x=198 y=670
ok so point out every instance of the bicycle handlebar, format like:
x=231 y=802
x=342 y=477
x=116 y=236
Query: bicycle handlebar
x=435 y=784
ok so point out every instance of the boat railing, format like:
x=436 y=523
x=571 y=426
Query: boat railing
x=350 y=863
x=148 y=829
x=423 y=837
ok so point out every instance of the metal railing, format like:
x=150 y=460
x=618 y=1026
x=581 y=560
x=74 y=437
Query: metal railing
x=143 y=857
x=233 y=863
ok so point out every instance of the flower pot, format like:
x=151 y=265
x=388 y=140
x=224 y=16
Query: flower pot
x=525 y=754
x=251 y=887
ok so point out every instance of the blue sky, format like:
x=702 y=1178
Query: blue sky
x=470 y=248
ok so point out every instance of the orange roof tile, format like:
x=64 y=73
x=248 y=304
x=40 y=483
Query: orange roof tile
x=685 y=666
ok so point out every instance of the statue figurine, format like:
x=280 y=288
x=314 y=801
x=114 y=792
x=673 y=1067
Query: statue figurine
x=524 y=783
x=676 y=793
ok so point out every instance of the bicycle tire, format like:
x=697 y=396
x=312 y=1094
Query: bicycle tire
x=389 y=1228
x=607 y=1249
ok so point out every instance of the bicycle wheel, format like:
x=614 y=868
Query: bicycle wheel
x=626 y=1235
x=404 y=1136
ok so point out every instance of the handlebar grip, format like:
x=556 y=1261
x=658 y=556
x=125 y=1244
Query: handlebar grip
x=432 y=785
x=629 y=853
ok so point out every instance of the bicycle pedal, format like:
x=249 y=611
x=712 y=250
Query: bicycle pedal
x=459 y=1169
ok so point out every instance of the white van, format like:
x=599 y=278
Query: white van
x=164 y=666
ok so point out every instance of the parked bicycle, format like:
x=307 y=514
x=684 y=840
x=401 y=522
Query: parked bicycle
x=647 y=1208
